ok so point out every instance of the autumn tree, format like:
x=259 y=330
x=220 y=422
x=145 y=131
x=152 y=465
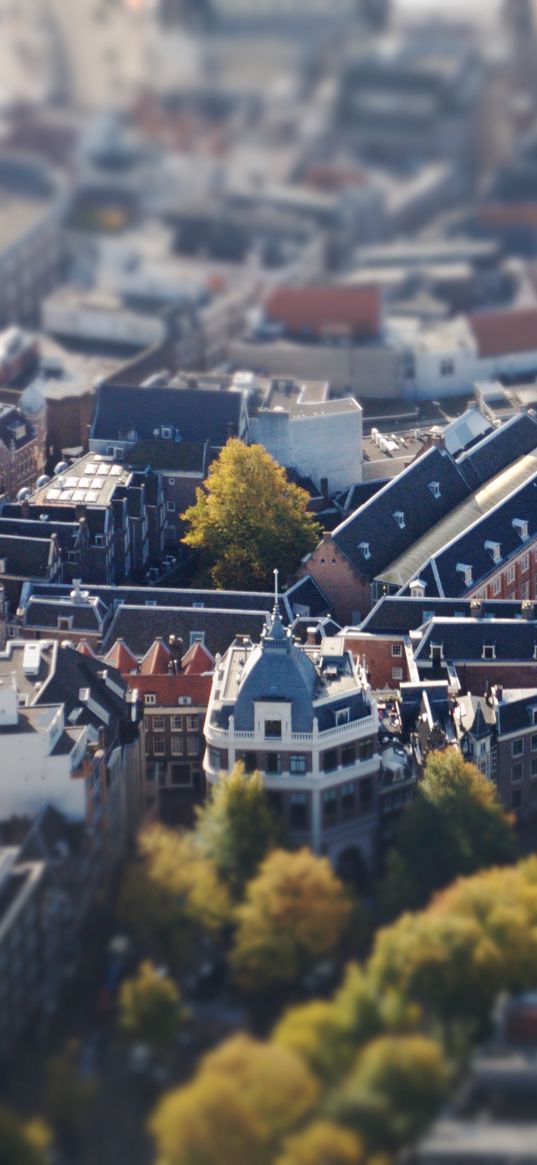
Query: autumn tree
x=149 y=1007
x=249 y=519
x=171 y=893
x=479 y=937
x=396 y=1087
x=236 y=828
x=246 y=1098
x=294 y=913
x=329 y=1033
x=322 y=1143
x=455 y=826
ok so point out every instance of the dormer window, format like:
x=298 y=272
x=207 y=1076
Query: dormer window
x=521 y=527
x=466 y=571
x=434 y=487
x=150 y=698
x=365 y=548
x=342 y=716
x=494 y=550
x=399 y=517
x=489 y=651
x=436 y=652
x=166 y=432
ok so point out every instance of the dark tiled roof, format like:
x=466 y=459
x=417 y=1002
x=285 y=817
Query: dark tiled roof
x=516 y=715
x=199 y=414
x=441 y=573
x=140 y=626
x=401 y=613
x=409 y=494
x=306 y=593
x=14 y=428
x=463 y=639
x=41 y=612
x=26 y=557
x=75 y=671
x=501 y=447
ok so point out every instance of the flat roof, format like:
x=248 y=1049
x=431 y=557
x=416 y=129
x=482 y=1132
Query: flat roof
x=90 y=481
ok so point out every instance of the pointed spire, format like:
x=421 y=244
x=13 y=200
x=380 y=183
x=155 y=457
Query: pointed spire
x=276 y=629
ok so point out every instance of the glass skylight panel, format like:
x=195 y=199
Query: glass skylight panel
x=79 y=495
x=92 y=495
x=90 y=468
x=53 y=493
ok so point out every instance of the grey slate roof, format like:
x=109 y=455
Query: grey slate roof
x=441 y=574
x=140 y=626
x=403 y=613
x=26 y=557
x=42 y=612
x=199 y=414
x=513 y=439
x=409 y=494
x=463 y=639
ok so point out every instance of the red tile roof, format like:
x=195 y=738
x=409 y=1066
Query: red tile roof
x=122 y=657
x=197 y=660
x=315 y=308
x=500 y=332
x=156 y=661
x=168 y=689
x=509 y=214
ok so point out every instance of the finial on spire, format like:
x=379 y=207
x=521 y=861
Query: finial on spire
x=276 y=574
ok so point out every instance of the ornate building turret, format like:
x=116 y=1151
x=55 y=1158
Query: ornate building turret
x=304 y=716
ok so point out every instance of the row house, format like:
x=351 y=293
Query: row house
x=174 y=686
x=72 y=738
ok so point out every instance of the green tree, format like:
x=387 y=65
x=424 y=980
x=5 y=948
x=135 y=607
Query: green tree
x=149 y=1007
x=249 y=518
x=18 y=1145
x=236 y=828
x=397 y=1086
x=294 y=914
x=246 y=1098
x=455 y=826
x=171 y=894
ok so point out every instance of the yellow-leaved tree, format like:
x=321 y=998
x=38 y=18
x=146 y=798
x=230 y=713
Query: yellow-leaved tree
x=249 y=518
x=246 y=1098
x=293 y=915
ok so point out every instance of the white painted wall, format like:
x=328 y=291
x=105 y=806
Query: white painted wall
x=323 y=445
x=30 y=779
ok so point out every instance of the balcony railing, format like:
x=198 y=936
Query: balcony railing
x=366 y=723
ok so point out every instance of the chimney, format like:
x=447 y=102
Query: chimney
x=528 y=609
x=476 y=608
x=175 y=644
x=310 y=637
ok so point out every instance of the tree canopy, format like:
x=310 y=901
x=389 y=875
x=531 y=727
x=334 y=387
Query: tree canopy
x=171 y=892
x=249 y=519
x=149 y=1007
x=236 y=828
x=455 y=826
x=294 y=913
x=246 y=1097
